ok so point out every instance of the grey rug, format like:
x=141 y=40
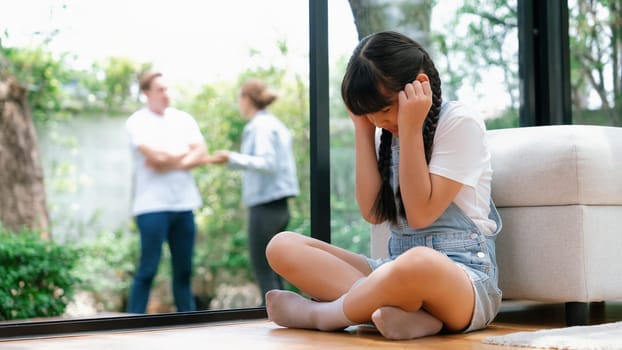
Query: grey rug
x=598 y=337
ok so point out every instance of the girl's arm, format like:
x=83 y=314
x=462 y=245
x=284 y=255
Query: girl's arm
x=425 y=196
x=367 y=177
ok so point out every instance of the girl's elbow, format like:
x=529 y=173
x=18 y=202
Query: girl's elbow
x=372 y=219
x=419 y=221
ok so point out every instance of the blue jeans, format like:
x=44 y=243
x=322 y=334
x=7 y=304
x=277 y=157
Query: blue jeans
x=179 y=230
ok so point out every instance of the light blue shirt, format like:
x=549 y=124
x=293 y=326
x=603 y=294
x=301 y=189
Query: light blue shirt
x=267 y=158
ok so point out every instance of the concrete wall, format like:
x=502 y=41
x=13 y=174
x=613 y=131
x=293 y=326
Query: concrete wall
x=88 y=169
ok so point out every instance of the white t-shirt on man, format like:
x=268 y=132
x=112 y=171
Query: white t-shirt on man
x=172 y=132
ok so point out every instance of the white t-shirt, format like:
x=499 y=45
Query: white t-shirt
x=172 y=132
x=460 y=153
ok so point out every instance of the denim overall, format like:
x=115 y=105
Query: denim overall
x=455 y=235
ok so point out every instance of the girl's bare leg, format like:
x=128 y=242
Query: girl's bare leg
x=420 y=278
x=289 y=309
x=317 y=268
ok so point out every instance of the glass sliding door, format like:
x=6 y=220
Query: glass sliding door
x=475 y=47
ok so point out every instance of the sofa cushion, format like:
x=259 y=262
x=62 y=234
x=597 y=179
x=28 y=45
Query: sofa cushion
x=556 y=165
x=560 y=253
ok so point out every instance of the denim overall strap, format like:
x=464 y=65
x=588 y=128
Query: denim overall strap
x=453 y=219
x=494 y=216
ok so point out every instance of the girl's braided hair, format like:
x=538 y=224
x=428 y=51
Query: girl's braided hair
x=387 y=61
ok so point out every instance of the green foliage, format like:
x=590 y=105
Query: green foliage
x=348 y=228
x=55 y=90
x=221 y=240
x=468 y=56
x=109 y=85
x=509 y=119
x=488 y=42
x=38 y=278
x=595 y=117
x=43 y=74
x=106 y=268
x=120 y=73
x=595 y=36
x=116 y=76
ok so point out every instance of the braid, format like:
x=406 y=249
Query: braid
x=384 y=205
x=431 y=120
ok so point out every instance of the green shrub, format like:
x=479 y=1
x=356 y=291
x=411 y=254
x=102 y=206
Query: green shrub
x=106 y=268
x=37 y=275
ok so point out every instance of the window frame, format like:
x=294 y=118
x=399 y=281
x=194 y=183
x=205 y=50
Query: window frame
x=544 y=63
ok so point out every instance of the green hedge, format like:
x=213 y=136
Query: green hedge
x=106 y=268
x=36 y=275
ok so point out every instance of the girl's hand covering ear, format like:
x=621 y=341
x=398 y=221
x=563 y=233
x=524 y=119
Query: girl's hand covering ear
x=414 y=103
x=361 y=121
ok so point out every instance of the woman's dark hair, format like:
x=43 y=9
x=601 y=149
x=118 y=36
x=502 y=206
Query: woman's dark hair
x=381 y=66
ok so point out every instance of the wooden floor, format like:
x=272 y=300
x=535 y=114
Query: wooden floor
x=261 y=334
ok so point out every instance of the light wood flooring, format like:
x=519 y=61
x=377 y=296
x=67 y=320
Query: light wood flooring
x=261 y=334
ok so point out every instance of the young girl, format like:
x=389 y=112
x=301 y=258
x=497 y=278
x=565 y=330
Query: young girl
x=430 y=181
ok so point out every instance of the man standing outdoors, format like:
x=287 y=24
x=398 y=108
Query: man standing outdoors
x=166 y=143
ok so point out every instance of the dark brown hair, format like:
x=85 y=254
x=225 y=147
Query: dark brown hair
x=145 y=79
x=386 y=62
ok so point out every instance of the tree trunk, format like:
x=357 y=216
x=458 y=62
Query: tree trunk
x=22 y=190
x=409 y=17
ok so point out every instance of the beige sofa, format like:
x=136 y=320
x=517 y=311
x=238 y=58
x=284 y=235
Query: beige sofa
x=559 y=193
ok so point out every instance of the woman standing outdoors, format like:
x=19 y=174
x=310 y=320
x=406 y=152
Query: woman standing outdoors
x=267 y=159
